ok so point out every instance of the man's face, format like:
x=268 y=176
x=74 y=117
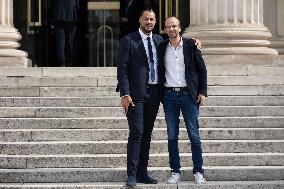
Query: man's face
x=147 y=21
x=172 y=27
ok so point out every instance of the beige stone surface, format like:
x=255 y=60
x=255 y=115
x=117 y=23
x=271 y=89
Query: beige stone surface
x=226 y=27
x=19 y=62
x=280 y=18
x=270 y=15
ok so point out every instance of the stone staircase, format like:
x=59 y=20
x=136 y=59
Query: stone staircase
x=64 y=128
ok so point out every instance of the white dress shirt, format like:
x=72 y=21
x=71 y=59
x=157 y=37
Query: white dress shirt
x=174 y=65
x=145 y=42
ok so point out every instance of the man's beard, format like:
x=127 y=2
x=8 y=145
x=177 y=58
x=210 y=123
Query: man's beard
x=147 y=31
x=173 y=36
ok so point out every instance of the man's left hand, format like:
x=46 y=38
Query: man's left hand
x=201 y=99
x=197 y=43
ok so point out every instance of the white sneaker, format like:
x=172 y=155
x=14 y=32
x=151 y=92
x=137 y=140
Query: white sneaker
x=174 y=179
x=199 y=179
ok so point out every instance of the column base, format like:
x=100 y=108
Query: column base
x=12 y=53
x=233 y=39
x=15 y=62
x=13 y=58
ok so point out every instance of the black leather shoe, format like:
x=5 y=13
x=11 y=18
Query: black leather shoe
x=146 y=179
x=131 y=181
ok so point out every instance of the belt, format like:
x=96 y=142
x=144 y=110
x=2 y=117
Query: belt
x=152 y=85
x=176 y=88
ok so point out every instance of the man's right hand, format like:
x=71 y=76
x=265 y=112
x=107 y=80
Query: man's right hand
x=125 y=102
x=124 y=19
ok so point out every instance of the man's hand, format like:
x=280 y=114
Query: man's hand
x=197 y=43
x=124 y=19
x=125 y=102
x=201 y=99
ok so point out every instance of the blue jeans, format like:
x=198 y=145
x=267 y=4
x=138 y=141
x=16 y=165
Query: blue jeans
x=174 y=102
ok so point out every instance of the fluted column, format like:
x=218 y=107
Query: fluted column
x=9 y=37
x=229 y=26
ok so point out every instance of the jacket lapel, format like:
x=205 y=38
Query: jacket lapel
x=155 y=41
x=163 y=49
x=186 y=52
x=141 y=45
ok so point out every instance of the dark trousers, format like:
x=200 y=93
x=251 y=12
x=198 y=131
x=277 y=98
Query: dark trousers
x=141 y=120
x=64 y=34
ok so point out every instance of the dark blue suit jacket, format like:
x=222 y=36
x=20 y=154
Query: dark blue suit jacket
x=133 y=67
x=64 y=10
x=195 y=69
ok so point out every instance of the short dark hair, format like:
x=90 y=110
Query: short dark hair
x=146 y=9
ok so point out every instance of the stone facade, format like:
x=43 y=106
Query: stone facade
x=226 y=27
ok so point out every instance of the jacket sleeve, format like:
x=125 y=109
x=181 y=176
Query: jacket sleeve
x=123 y=66
x=161 y=66
x=201 y=71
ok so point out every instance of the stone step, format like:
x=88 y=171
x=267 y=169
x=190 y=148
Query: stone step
x=114 y=101
x=214 y=81
x=121 y=123
x=66 y=175
x=241 y=69
x=62 y=72
x=80 y=112
x=212 y=70
x=264 y=90
x=246 y=90
x=119 y=147
x=277 y=184
x=35 y=135
x=119 y=160
x=112 y=81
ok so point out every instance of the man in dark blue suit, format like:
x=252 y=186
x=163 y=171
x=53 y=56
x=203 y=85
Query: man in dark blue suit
x=138 y=84
x=183 y=76
x=64 y=17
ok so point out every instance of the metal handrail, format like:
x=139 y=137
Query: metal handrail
x=104 y=44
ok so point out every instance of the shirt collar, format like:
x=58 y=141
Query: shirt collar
x=180 y=43
x=144 y=36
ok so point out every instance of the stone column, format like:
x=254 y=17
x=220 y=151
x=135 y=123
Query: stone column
x=229 y=27
x=9 y=37
x=278 y=39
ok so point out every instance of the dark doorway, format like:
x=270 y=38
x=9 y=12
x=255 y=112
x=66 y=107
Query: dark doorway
x=97 y=33
x=32 y=19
